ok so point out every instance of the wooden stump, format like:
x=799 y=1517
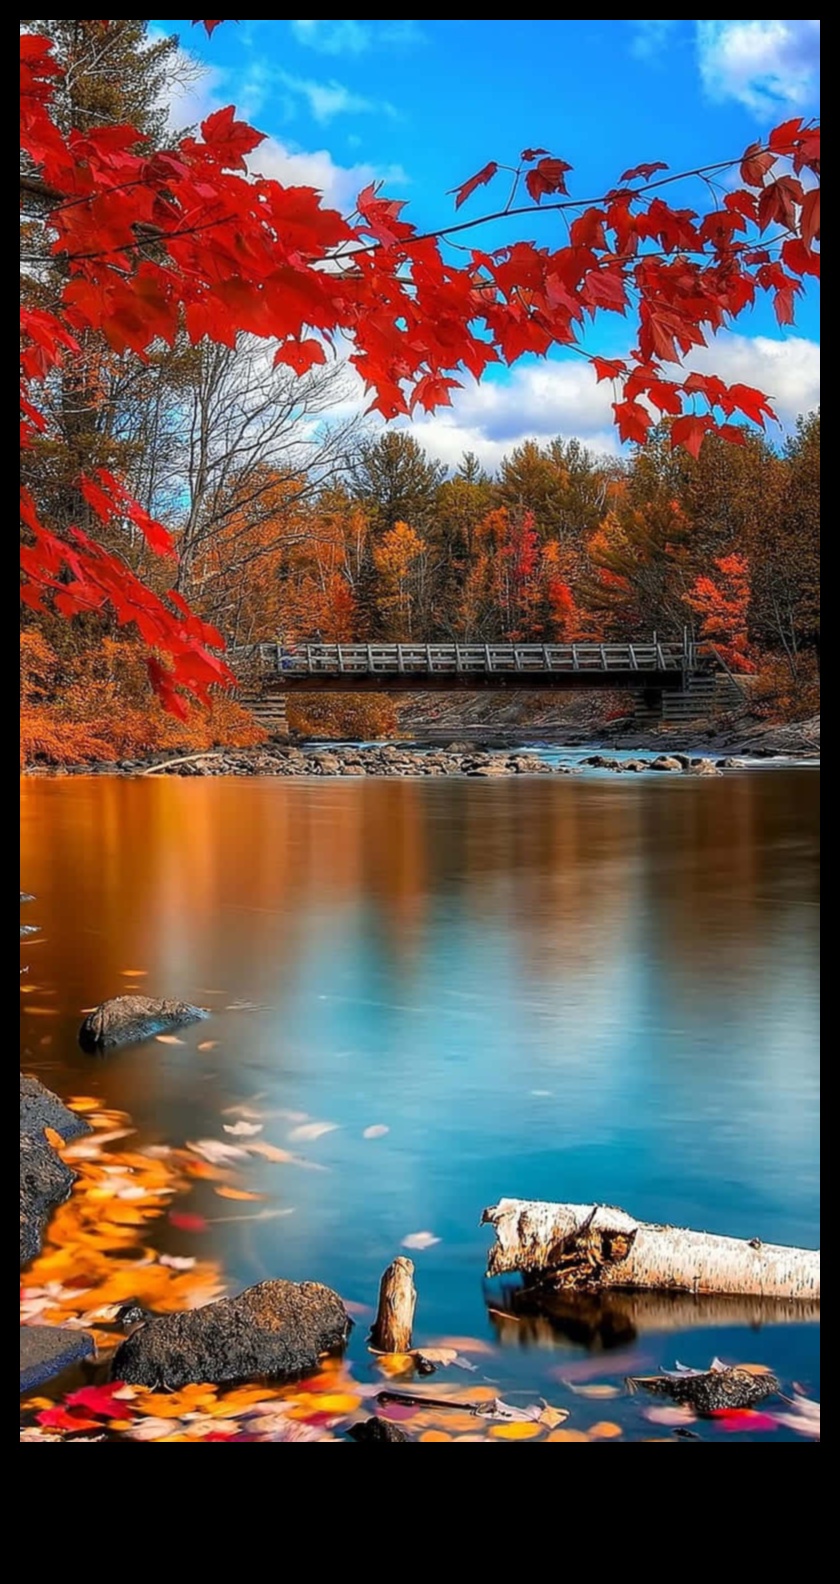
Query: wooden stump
x=395 y=1315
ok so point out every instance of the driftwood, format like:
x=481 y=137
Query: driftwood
x=589 y=1247
x=166 y=764
x=395 y=1315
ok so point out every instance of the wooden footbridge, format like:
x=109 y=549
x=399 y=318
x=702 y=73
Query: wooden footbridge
x=667 y=679
x=416 y=667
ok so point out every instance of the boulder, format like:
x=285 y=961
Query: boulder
x=126 y=1019
x=377 y=1430
x=45 y=1181
x=705 y=767
x=278 y=1328
x=666 y=762
x=459 y=748
x=40 y=1109
x=637 y=765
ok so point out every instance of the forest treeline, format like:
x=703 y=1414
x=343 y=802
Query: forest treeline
x=294 y=522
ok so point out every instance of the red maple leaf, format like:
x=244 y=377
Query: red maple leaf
x=548 y=176
x=480 y=179
x=645 y=171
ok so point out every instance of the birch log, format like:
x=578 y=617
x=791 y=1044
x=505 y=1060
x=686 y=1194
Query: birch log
x=395 y=1315
x=589 y=1247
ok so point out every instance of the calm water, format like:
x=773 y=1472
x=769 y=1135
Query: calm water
x=570 y=989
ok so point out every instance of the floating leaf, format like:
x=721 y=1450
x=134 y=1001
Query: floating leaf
x=669 y=1416
x=518 y=1431
x=243 y=1129
x=435 y=1435
x=378 y=1130
x=567 y=1435
x=207 y=1045
x=419 y=1240
x=168 y=1039
x=597 y=1389
x=236 y=1193
x=179 y=1262
x=216 y=1151
x=605 y=1430
x=307 y=1132
x=186 y=1222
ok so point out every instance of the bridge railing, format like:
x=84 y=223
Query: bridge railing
x=443 y=659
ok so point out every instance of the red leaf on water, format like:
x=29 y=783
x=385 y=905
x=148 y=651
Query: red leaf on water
x=101 y=1400
x=185 y=1222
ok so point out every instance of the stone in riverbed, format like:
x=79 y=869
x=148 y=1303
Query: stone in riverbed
x=126 y=1019
x=278 y=1328
x=40 y=1109
x=47 y=1350
x=665 y=762
x=705 y=767
x=377 y=1430
x=45 y=1181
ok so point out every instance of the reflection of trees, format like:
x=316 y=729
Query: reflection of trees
x=605 y=1321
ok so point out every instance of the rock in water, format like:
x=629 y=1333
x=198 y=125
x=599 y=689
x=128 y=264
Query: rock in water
x=40 y=1109
x=45 y=1181
x=128 y=1018
x=47 y=1350
x=714 y=1390
x=377 y=1430
x=279 y=1328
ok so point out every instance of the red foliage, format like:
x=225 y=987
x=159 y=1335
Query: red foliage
x=155 y=242
x=722 y=603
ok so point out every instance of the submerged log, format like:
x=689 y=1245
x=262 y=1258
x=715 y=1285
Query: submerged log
x=589 y=1247
x=611 y=1318
x=395 y=1315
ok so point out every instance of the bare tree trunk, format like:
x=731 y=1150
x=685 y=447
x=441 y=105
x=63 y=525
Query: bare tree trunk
x=595 y=1246
x=395 y=1316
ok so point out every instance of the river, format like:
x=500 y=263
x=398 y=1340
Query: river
x=576 y=988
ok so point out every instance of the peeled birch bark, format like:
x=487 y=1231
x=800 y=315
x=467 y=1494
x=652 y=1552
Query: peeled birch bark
x=395 y=1315
x=589 y=1247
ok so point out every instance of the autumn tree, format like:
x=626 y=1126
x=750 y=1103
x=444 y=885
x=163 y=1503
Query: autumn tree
x=400 y=558
x=159 y=242
x=721 y=600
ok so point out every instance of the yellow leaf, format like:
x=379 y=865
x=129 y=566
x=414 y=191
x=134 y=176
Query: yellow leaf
x=83 y=1103
x=337 y=1403
x=567 y=1435
x=236 y=1193
x=207 y=1045
x=515 y=1432
x=552 y=1417
x=605 y=1430
x=395 y=1363
x=135 y=973
x=435 y=1435
x=53 y=1138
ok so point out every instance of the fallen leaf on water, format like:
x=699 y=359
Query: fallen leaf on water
x=605 y=1430
x=441 y=1357
x=270 y=1152
x=207 y=1045
x=83 y=1103
x=466 y=1344
x=236 y=1193
x=392 y=1364
x=595 y=1390
x=435 y=1435
x=135 y=973
x=567 y=1435
x=53 y=1138
x=520 y=1430
x=186 y=1222
x=109 y=1401
x=669 y=1416
x=216 y=1151
x=377 y=1131
x=552 y=1417
x=419 y=1240
x=258 y=1215
x=41 y=1011
x=308 y=1131
x=60 y=1419
x=743 y=1420
x=243 y=1129
x=168 y=1039
x=178 y=1262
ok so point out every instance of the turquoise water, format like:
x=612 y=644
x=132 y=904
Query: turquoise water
x=575 y=989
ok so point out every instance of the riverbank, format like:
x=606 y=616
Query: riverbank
x=698 y=750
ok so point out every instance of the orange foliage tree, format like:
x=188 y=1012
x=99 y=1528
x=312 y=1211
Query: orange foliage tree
x=156 y=243
x=722 y=603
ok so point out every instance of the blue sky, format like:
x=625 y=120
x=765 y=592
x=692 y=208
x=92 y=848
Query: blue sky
x=422 y=105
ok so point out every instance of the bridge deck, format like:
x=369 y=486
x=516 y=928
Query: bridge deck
x=357 y=667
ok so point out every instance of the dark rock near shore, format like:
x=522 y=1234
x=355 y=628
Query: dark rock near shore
x=666 y=762
x=714 y=1390
x=129 y=1018
x=45 y=1182
x=377 y=1430
x=40 y=1109
x=47 y=1350
x=279 y=1328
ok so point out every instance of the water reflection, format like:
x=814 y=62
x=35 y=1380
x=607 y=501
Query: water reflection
x=573 y=989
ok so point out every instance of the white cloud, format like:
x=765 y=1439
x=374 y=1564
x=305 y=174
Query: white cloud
x=329 y=99
x=650 y=38
x=340 y=184
x=353 y=38
x=787 y=371
x=767 y=66
x=561 y=397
